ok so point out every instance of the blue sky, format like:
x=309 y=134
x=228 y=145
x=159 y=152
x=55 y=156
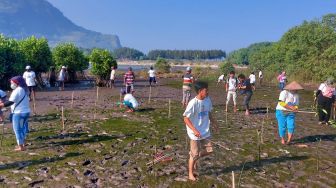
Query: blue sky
x=193 y=24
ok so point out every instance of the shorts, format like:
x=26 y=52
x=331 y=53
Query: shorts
x=197 y=146
x=186 y=96
x=286 y=121
x=234 y=97
x=129 y=88
x=31 y=88
x=128 y=104
x=152 y=80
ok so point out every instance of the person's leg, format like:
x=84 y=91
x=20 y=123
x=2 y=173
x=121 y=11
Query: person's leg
x=234 y=94
x=33 y=92
x=247 y=100
x=188 y=96
x=290 y=119
x=321 y=109
x=194 y=155
x=328 y=106
x=25 y=122
x=184 y=96
x=281 y=124
x=19 y=131
x=228 y=96
x=150 y=81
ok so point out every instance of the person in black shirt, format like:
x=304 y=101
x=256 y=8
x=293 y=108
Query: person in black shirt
x=245 y=88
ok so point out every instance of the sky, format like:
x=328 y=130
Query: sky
x=193 y=24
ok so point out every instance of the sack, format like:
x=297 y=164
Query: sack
x=10 y=117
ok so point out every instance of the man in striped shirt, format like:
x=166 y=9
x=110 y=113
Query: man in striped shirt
x=129 y=78
x=187 y=85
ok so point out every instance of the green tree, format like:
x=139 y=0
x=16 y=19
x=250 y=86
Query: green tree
x=162 y=65
x=102 y=61
x=37 y=54
x=226 y=67
x=11 y=60
x=72 y=57
x=128 y=53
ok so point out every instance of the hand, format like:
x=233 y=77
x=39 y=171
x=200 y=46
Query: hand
x=197 y=133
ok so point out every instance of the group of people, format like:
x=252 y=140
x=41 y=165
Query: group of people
x=197 y=114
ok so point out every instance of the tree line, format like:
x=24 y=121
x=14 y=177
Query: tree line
x=186 y=54
x=16 y=54
x=307 y=51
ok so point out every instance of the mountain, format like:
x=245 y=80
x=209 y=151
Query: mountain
x=23 y=18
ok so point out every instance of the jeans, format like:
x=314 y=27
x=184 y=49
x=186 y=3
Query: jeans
x=20 y=127
x=282 y=85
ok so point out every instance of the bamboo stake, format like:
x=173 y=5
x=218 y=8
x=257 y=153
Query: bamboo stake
x=63 y=123
x=150 y=94
x=34 y=104
x=233 y=180
x=241 y=174
x=97 y=93
x=169 y=108
x=3 y=132
x=72 y=99
x=220 y=145
x=258 y=141
x=300 y=111
x=120 y=96
x=262 y=131
x=335 y=112
x=318 y=156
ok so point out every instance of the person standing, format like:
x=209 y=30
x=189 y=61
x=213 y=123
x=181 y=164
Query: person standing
x=261 y=77
x=152 y=78
x=198 y=118
x=252 y=78
x=112 y=77
x=282 y=78
x=52 y=77
x=129 y=78
x=3 y=99
x=221 y=79
x=20 y=110
x=61 y=78
x=286 y=109
x=188 y=80
x=325 y=99
x=246 y=90
x=231 y=89
x=30 y=78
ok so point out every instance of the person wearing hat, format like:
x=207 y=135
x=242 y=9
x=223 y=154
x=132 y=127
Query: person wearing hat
x=61 y=78
x=325 y=99
x=188 y=80
x=112 y=77
x=30 y=78
x=20 y=110
x=285 y=111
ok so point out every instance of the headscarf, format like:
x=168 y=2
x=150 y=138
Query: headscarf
x=20 y=82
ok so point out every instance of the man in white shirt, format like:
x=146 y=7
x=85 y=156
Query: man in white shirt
x=231 y=89
x=31 y=81
x=221 y=79
x=61 y=78
x=152 y=78
x=112 y=77
x=252 y=78
x=261 y=77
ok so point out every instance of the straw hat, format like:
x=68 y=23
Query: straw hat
x=293 y=86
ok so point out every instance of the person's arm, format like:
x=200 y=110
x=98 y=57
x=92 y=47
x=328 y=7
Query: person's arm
x=285 y=105
x=213 y=122
x=192 y=127
x=226 y=86
x=6 y=104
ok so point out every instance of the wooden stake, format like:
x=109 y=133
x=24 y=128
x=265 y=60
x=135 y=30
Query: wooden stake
x=63 y=123
x=3 y=131
x=169 y=108
x=34 y=104
x=233 y=180
x=97 y=94
x=72 y=99
x=150 y=94
x=262 y=131
x=120 y=96
x=259 y=149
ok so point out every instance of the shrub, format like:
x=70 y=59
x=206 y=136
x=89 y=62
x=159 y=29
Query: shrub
x=162 y=65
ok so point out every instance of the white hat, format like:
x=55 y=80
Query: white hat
x=189 y=68
x=63 y=67
x=28 y=67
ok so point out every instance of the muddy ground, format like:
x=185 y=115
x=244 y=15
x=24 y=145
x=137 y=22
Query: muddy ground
x=102 y=146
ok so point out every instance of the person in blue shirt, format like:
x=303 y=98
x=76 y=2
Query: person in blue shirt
x=245 y=88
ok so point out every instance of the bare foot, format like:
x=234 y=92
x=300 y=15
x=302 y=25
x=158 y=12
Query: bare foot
x=192 y=177
x=283 y=141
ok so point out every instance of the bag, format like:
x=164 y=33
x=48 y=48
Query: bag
x=10 y=117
